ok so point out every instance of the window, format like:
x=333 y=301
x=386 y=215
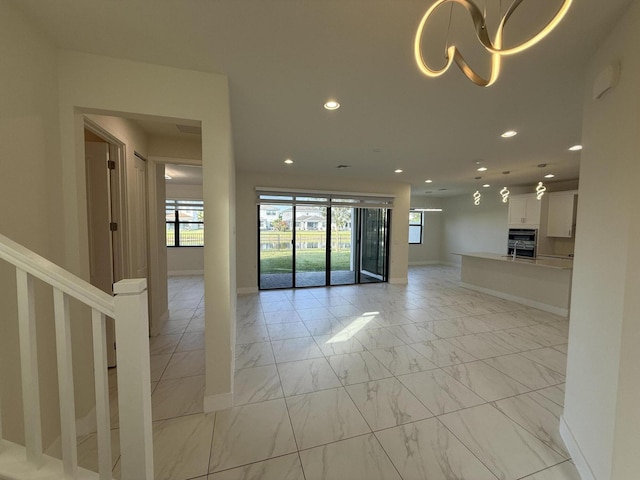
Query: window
x=185 y=223
x=415 y=227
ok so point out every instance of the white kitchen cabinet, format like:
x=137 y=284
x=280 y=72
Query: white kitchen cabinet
x=562 y=214
x=524 y=211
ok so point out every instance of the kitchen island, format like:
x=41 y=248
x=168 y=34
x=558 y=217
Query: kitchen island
x=542 y=282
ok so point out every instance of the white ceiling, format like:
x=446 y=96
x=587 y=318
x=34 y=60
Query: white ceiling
x=285 y=58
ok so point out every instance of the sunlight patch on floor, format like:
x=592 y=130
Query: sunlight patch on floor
x=353 y=328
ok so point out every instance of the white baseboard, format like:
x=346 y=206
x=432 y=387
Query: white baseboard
x=246 y=290
x=450 y=264
x=398 y=281
x=563 y=312
x=573 y=448
x=424 y=262
x=184 y=273
x=213 y=403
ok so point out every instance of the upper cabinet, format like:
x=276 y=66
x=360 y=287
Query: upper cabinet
x=562 y=214
x=524 y=211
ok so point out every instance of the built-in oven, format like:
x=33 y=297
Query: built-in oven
x=523 y=241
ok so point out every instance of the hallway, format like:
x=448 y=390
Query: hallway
x=378 y=381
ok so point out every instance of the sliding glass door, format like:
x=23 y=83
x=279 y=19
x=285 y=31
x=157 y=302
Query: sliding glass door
x=343 y=246
x=312 y=241
x=311 y=246
x=374 y=244
x=275 y=246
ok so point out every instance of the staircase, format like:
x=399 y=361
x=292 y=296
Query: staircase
x=129 y=309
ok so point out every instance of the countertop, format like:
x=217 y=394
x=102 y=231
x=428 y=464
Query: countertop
x=547 y=262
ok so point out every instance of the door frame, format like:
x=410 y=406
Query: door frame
x=118 y=189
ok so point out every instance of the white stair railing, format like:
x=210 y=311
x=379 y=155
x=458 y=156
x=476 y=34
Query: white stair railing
x=130 y=311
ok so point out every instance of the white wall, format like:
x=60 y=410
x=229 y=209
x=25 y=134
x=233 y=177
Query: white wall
x=428 y=252
x=31 y=195
x=247 y=246
x=99 y=84
x=470 y=228
x=603 y=387
x=184 y=148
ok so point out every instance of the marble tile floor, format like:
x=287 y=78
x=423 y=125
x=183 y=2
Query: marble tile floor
x=423 y=381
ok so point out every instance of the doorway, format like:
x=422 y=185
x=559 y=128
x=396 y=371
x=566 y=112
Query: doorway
x=321 y=241
x=103 y=163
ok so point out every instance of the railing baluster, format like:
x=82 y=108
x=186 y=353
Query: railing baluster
x=102 y=394
x=29 y=367
x=65 y=384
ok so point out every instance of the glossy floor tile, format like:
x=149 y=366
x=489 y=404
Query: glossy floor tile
x=485 y=381
x=386 y=403
x=324 y=417
x=420 y=381
x=256 y=384
x=305 y=376
x=251 y=433
x=427 y=450
x=528 y=372
x=403 y=359
x=358 y=367
x=506 y=448
x=286 y=467
x=177 y=397
x=538 y=415
x=440 y=392
x=359 y=458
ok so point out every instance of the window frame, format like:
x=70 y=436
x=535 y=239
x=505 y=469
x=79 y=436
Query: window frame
x=176 y=222
x=420 y=225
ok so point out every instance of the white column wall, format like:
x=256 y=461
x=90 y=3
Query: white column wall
x=99 y=84
x=601 y=417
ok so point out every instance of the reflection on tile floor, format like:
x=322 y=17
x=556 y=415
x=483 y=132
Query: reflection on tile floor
x=422 y=381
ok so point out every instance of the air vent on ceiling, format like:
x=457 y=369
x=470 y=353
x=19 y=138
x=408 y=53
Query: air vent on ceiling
x=190 y=129
x=343 y=166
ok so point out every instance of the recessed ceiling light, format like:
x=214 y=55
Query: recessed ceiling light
x=288 y=161
x=483 y=169
x=509 y=134
x=542 y=165
x=332 y=105
x=486 y=185
x=576 y=148
x=167 y=177
x=398 y=170
x=428 y=181
x=550 y=175
x=506 y=172
x=477 y=178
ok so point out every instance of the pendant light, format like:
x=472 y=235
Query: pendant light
x=494 y=47
x=505 y=194
x=540 y=189
x=477 y=195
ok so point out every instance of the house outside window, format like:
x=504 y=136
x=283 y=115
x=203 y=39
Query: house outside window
x=416 y=221
x=185 y=223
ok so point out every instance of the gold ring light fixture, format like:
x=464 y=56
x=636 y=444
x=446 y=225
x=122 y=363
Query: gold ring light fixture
x=495 y=47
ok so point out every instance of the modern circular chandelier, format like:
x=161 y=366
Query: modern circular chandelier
x=494 y=47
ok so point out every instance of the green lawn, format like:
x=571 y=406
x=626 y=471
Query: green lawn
x=313 y=260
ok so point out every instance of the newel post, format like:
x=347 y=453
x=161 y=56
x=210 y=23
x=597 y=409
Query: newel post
x=134 y=379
